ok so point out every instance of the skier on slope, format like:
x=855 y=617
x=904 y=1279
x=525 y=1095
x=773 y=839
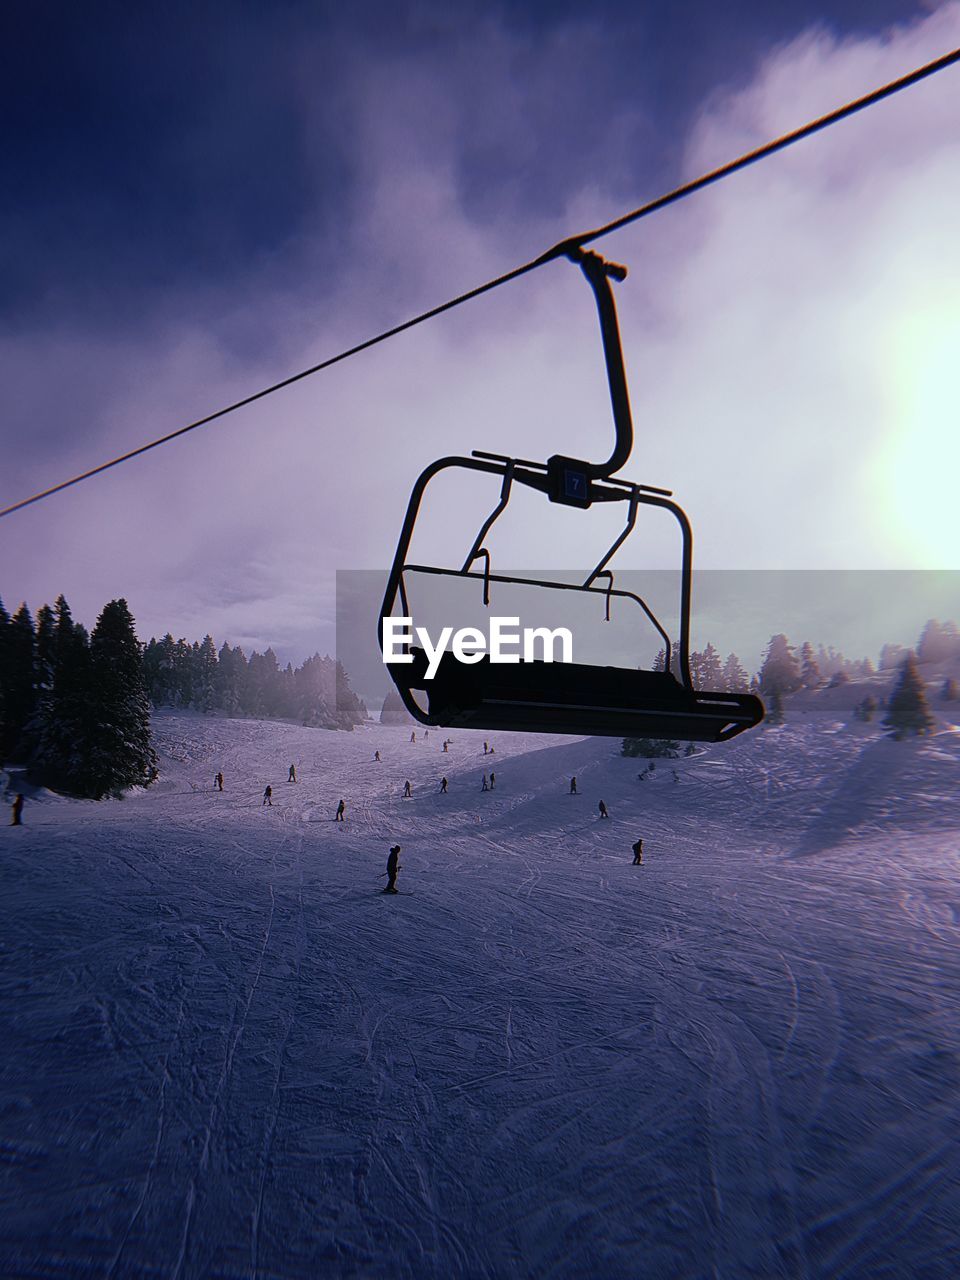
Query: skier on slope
x=443 y=786
x=407 y=790
x=16 y=811
x=341 y=809
x=376 y=755
x=493 y=780
x=267 y=797
x=218 y=781
x=393 y=869
x=292 y=775
x=413 y=736
x=638 y=853
x=486 y=785
x=603 y=810
x=573 y=786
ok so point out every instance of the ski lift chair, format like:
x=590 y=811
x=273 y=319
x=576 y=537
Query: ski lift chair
x=551 y=697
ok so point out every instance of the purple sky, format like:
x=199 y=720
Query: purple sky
x=201 y=201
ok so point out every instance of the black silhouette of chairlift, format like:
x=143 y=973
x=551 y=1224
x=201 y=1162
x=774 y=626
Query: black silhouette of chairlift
x=555 y=697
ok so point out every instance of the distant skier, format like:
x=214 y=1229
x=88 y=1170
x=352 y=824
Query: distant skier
x=426 y=734
x=486 y=749
x=486 y=785
x=638 y=853
x=603 y=810
x=573 y=786
x=446 y=744
x=493 y=780
x=413 y=736
x=491 y=749
x=218 y=782
x=341 y=810
x=407 y=790
x=376 y=756
x=393 y=869
x=443 y=786
x=16 y=810
x=292 y=775
x=267 y=797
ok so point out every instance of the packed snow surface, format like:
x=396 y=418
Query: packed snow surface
x=227 y=1053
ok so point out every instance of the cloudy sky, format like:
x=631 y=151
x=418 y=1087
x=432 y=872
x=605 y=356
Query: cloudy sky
x=200 y=199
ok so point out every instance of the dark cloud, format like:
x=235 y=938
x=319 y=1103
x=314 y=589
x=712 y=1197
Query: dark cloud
x=206 y=199
x=155 y=149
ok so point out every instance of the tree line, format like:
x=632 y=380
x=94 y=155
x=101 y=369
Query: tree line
x=785 y=670
x=75 y=707
x=200 y=677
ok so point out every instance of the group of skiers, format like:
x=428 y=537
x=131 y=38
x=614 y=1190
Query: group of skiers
x=488 y=783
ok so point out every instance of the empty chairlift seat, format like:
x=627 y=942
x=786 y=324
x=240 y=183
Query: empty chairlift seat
x=553 y=697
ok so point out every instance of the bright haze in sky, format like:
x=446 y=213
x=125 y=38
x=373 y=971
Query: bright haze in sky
x=202 y=200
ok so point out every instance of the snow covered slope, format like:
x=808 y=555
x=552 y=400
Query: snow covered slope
x=227 y=1053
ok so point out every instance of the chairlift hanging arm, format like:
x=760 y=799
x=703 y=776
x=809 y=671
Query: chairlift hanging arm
x=599 y=273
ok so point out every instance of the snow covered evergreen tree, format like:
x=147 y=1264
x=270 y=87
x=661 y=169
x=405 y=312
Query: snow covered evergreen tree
x=710 y=672
x=205 y=675
x=650 y=748
x=117 y=749
x=907 y=712
x=4 y=641
x=733 y=678
x=231 y=680
x=18 y=678
x=775 y=715
x=780 y=672
x=66 y=714
x=809 y=668
x=866 y=709
x=891 y=655
x=936 y=642
x=393 y=711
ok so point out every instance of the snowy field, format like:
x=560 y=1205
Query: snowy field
x=226 y=1053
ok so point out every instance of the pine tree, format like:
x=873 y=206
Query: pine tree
x=809 y=669
x=711 y=669
x=205 y=675
x=866 y=709
x=59 y=758
x=350 y=710
x=891 y=655
x=734 y=678
x=650 y=748
x=19 y=688
x=780 y=672
x=934 y=645
x=4 y=669
x=393 y=711
x=118 y=750
x=908 y=713
x=231 y=680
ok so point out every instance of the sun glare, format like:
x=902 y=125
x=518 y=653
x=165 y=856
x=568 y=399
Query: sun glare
x=919 y=462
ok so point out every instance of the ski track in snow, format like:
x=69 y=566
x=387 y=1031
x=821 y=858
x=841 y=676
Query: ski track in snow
x=227 y=1053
